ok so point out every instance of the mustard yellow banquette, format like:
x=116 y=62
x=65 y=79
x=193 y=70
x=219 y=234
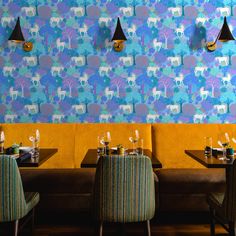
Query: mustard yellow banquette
x=167 y=141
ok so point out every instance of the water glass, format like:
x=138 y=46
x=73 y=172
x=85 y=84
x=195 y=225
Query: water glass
x=106 y=139
x=208 y=146
x=134 y=140
x=35 y=143
x=223 y=141
x=100 y=149
x=140 y=149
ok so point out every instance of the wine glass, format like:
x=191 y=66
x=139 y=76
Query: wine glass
x=35 y=142
x=100 y=145
x=224 y=142
x=105 y=140
x=134 y=139
x=208 y=146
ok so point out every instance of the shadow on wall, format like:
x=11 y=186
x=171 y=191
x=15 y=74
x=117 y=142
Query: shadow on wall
x=103 y=39
x=198 y=39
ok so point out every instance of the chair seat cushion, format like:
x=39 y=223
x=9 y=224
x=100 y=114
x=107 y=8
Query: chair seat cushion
x=32 y=199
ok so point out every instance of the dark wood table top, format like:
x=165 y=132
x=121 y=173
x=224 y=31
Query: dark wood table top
x=44 y=155
x=209 y=162
x=90 y=160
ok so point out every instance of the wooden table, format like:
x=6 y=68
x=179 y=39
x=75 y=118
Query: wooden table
x=44 y=155
x=214 y=162
x=209 y=162
x=90 y=160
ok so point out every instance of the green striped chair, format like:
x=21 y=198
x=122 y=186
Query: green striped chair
x=124 y=190
x=14 y=203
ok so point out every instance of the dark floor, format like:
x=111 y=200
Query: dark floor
x=168 y=224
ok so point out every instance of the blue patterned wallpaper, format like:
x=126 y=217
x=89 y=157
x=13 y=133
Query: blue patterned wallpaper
x=73 y=75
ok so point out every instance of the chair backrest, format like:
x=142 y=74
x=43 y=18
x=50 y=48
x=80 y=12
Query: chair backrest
x=124 y=189
x=229 y=202
x=12 y=199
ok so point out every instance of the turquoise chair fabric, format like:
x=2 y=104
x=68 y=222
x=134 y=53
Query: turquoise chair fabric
x=124 y=189
x=14 y=204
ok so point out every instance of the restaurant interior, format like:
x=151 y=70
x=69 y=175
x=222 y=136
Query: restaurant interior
x=108 y=122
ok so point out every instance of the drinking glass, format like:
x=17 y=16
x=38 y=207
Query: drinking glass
x=100 y=149
x=224 y=142
x=105 y=140
x=208 y=146
x=134 y=139
x=140 y=149
x=35 y=143
x=37 y=139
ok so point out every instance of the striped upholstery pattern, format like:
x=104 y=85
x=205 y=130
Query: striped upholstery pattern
x=13 y=204
x=124 y=189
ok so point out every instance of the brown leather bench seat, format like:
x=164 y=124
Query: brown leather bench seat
x=186 y=189
x=71 y=189
x=61 y=189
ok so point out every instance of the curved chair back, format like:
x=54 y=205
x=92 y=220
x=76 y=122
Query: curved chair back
x=12 y=199
x=124 y=189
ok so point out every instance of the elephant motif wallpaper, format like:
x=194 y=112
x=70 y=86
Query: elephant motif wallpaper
x=164 y=74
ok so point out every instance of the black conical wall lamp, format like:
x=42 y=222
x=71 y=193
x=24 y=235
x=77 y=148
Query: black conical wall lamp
x=18 y=37
x=224 y=35
x=118 y=37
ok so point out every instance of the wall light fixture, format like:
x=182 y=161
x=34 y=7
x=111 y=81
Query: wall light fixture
x=118 y=37
x=18 y=37
x=224 y=36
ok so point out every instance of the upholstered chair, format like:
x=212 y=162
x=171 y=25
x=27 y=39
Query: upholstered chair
x=124 y=190
x=223 y=205
x=14 y=203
